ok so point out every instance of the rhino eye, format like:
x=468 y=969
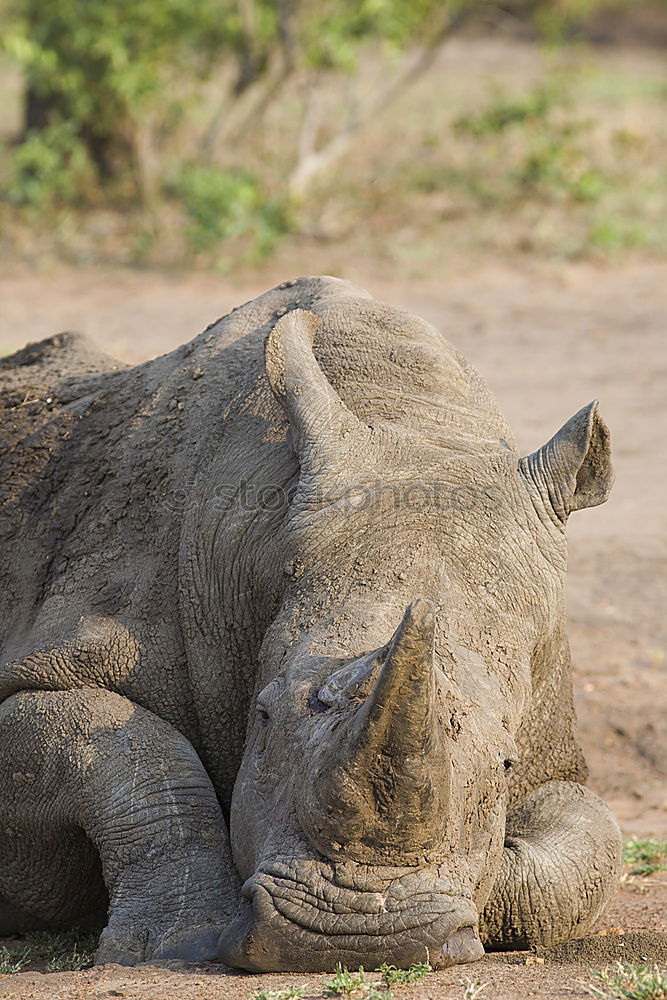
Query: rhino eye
x=263 y=716
x=508 y=764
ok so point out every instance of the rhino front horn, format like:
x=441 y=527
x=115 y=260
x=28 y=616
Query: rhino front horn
x=381 y=790
x=398 y=717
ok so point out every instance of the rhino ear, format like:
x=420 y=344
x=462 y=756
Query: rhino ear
x=573 y=469
x=319 y=419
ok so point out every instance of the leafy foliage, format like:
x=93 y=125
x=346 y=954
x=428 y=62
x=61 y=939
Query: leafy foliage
x=96 y=71
x=108 y=83
x=330 y=32
x=50 y=168
x=103 y=66
x=553 y=162
x=222 y=123
x=101 y=61
x=227 y=205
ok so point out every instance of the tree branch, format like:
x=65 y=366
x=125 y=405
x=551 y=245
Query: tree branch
x=315 y=161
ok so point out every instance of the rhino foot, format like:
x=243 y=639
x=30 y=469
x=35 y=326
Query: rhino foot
x=194 y=944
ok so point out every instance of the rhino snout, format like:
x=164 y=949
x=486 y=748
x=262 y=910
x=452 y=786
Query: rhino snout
x=284 y=924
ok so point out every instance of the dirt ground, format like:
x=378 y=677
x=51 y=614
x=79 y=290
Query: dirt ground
x=548 y=339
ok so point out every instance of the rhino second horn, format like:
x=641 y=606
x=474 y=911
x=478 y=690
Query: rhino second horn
x=381 y=791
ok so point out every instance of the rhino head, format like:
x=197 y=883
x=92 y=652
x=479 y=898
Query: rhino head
x=368 y=817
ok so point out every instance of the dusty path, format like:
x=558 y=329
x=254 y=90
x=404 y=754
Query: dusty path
x=548 y=341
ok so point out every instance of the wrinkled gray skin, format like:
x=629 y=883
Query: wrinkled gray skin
x=361 y=671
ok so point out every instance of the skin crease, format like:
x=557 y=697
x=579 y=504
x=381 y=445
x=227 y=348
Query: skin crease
x=307 y=590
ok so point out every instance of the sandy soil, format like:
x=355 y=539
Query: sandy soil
x=548 y=340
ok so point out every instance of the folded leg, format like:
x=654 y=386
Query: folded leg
x=98 y=798
x=559 y=871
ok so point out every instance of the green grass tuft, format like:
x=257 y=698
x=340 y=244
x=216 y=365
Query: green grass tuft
x=646 y=856
x=62 y=951
x=403 y=977
x=472 y=988
x=288 y=994
x=13 y=960
x=628 y=982
x=344 y=983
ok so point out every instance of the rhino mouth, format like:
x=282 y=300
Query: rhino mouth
x=292 y=921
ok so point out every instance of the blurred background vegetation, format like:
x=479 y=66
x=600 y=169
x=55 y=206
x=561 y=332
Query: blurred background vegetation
x=209 y=132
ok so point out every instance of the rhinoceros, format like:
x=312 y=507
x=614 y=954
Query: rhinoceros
x=284 y=677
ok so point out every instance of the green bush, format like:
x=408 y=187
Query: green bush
x=552 y=163
x=230 y=205
x=51 y=168
x=502 y=112
x=102 y=65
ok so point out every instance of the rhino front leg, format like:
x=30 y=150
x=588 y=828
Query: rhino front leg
x=559 y=871
x=96 y=792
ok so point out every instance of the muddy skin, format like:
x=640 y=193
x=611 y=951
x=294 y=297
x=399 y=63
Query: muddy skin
x=284 y=672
